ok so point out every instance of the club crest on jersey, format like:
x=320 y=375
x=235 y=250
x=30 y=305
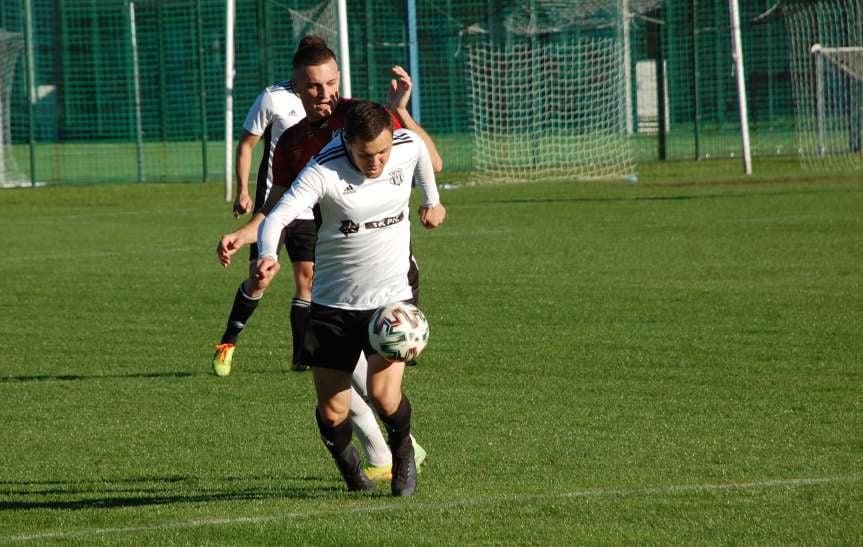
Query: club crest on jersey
x=397 y=177
x=349 y=227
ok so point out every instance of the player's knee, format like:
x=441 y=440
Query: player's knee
x=385 y=401
x=332 y=415
x=254 y=287
x=304 y=274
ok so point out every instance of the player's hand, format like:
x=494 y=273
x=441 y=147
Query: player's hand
x=432 y=217
x=243 y=204
x=227 y=246
x=265 y=270
x=399 y=92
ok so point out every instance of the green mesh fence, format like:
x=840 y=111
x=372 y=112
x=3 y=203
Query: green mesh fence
x=679 y=99
x=701 y=112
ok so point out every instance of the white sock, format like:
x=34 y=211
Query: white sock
x=360 y=387
x=368 y=432
x=359 y=379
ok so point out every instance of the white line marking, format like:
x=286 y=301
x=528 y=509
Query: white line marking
x=658 y=490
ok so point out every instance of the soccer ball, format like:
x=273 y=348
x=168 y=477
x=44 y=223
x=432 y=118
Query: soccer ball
x=398 y=331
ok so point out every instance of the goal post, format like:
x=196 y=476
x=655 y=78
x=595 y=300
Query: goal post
x=838 y=71
x=11 y=45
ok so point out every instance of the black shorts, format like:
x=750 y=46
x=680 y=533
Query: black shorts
x=299 y=237
x=335 y=337
x=414 y=280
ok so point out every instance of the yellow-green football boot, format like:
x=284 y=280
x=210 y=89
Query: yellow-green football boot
x=385 y=472
x=222 y=359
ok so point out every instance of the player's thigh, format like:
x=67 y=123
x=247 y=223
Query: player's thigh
x=304 y=273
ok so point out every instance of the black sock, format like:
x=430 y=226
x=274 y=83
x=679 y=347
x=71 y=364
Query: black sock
x=398 y=425
x=336 y=438
x=299 y=315
x=242 y=309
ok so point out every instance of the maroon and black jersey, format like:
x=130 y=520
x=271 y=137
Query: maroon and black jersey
x=303 y=140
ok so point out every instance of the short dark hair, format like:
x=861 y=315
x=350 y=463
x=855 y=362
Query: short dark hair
x=312 y=51
x=365 y=120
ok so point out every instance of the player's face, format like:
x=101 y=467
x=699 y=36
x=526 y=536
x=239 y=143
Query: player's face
x=318 y=88
x=371 y=157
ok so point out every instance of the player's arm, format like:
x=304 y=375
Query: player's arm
x=243 y=203
x=247 y=234
x=304 y=193
x=397 y=99
x=259 y=117
x=432 y=212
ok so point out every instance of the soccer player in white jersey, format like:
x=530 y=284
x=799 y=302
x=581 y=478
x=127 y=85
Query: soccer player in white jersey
x=276 y=109
x=314 y=88
x=362 y=183
x=315 y=81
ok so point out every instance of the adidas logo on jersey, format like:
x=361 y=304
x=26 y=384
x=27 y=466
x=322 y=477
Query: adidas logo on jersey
x=349 y=190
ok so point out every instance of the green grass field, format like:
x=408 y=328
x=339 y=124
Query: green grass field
x=676 y=361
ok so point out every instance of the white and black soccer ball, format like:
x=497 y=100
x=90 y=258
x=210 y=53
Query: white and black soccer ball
x=399 y=331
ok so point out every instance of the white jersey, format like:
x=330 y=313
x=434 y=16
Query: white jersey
x=276 y=109
x=362 y=254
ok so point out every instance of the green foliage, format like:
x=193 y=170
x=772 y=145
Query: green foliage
x=657 y=363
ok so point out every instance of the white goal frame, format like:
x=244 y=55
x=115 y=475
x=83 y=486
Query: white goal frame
x=834 y=56
x=11 y=45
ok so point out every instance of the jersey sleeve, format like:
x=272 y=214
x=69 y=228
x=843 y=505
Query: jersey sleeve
x=305 y=192
x=260 y=115
x=424 y=174
x=396 y=123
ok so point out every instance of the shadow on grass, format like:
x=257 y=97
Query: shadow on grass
x=101 y=495
x=176 y=374
x=73 y=377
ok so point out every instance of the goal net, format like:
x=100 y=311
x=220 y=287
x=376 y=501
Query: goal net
x=11 y=45
x=548 y=94
x=827 y=76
